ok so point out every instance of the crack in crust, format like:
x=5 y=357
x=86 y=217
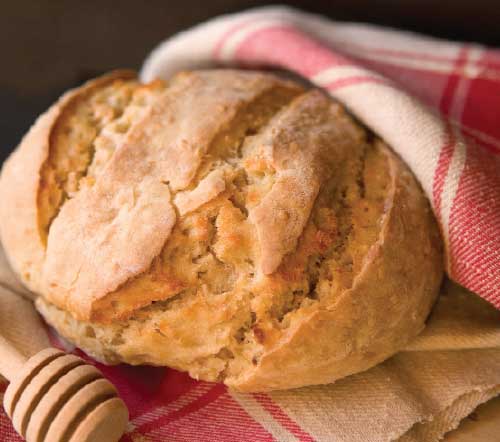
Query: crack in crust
x=73 y=141
x=221 y=178
x=157 y=149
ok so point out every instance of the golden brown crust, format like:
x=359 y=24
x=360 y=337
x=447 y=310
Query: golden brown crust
x=20 y=186
x=292 y=147
x=110 y=232
x=242 y=229
x=378 y=314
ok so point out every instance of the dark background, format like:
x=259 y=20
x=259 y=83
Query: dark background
x=49 y=46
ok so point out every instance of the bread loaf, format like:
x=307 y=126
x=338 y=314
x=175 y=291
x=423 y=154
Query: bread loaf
x=228 y=223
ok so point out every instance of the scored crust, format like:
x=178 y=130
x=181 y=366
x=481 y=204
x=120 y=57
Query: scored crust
x=228 y=223
x=21 y=184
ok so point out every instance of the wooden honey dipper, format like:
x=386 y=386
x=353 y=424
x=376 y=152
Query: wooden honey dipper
x=57 y=397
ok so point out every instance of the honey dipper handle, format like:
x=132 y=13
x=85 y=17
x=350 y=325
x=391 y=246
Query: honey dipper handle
x=11 y=360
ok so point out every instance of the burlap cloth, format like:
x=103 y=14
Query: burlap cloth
x=418 y=395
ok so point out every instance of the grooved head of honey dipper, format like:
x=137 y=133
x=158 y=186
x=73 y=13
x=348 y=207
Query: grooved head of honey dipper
x=106 y=423
x=30 y=369
x=60 y=398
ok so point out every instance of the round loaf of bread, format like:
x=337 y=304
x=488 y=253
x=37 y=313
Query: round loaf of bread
x=228 y=223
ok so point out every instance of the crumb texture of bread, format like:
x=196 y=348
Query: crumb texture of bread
x=230 y=224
